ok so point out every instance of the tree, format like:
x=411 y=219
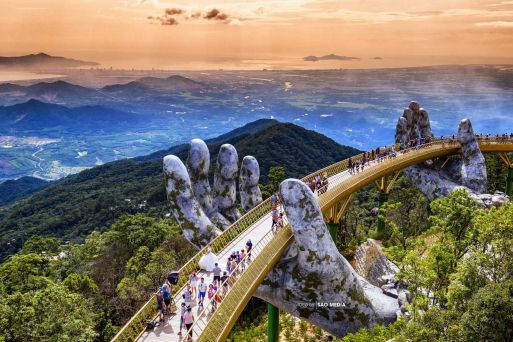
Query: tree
x=406 y=216
x=24 y=273
x=495 y=241
x=39 y=244
x=276 y=175
x=51 y=312
x=452 y=217
x=490 y=314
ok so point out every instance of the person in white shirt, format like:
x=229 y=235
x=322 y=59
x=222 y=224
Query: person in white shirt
x=202 y=287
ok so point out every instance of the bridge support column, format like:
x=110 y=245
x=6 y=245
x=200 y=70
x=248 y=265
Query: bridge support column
x=382 y=198
x=333 y=228
x=384 y=185
x=273 y=323
x=509 y=182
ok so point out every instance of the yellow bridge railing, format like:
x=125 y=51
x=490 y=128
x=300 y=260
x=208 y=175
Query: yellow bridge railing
x=133 y=329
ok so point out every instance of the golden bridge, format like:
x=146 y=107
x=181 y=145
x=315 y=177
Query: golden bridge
x=269 y=247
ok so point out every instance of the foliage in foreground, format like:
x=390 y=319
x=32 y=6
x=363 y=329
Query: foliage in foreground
x=82 y=292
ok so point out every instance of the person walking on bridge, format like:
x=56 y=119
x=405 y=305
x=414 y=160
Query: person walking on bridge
x=187 y=296
x=193 y=281
x=188 y=319
x=183 y=310
x=217 y=272
x=202 y=287
x=161 y=305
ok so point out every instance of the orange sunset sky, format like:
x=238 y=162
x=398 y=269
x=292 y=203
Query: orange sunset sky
x=255 y=34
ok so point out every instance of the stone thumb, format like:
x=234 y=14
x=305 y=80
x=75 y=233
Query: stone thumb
x=473 y=165
x=311 y=234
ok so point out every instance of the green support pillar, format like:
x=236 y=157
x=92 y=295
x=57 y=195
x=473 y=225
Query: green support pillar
x=333 y=228
x=383 y=198
x=509 y=182
x=273 y=323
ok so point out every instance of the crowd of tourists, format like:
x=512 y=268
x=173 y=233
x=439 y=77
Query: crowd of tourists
x=500 y=137
x=198 y=290
x=318 y=183
x=380 y=154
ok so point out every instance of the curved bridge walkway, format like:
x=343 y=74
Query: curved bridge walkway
x=268 y=247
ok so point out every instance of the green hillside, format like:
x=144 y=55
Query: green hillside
x=12 y=190
x=95 y=198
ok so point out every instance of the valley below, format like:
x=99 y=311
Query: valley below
x=86 y=117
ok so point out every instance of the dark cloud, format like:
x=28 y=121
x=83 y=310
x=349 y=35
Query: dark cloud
x=169 y=17
x=174 y=11
x=168 y=21
x=215 y=14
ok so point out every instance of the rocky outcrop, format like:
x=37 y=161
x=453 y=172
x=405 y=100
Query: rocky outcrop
x=373 y=265
x=250 y=195
x=186 y=209
x=312 y=272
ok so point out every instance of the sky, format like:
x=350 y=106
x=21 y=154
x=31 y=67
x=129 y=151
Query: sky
x=274 y=34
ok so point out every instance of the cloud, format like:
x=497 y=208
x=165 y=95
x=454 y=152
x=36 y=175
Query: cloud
x=170 y=16
x=195 y=15
x=215 y=14
x=496 y=24
x=168 y=21
x=174 y=11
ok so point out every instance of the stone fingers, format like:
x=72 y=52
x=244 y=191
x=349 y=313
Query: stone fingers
x=225 y=179
x=250 y=194
x=198 y=165
x=195 y=224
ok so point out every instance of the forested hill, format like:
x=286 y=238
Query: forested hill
x=11 y=190
x=95 y=198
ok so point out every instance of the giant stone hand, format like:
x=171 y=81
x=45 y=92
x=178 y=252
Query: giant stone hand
x=468 y=173
x=313 y=272
x=200 y=211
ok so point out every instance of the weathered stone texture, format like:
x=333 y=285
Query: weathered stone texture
x=250 y=194
x=312 y=271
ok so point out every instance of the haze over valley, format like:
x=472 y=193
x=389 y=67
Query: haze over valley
x=53 y=128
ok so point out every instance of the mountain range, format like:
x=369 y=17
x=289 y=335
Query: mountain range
x=38 y=116
x=42 y=60
x=62 y=92
x=93 y=199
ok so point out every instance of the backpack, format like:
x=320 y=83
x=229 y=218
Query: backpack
x=150 y=325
